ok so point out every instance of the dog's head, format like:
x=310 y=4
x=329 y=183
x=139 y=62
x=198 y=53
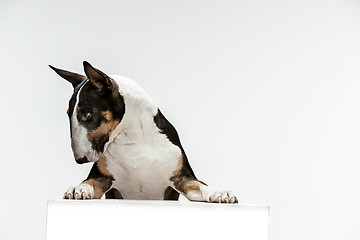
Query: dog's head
x=95 y=109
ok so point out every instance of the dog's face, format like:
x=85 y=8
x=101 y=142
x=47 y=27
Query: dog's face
x=95 y=109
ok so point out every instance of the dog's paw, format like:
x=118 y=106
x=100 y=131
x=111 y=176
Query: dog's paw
x=222 y=197
x=83 y=191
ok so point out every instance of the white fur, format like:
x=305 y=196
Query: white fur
x=82 y=191
x=79 y=142
x=211 y=195
x=69 y=193
x=86 y=189
x=140 y=158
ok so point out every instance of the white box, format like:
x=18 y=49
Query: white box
x=133 y=219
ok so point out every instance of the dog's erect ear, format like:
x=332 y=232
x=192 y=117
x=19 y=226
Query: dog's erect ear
x=74 y=78
x=96 y=77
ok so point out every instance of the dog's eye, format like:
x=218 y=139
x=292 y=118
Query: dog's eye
x=86 y=117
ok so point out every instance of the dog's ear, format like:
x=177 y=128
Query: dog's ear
x=97 y=77
x=74 y=78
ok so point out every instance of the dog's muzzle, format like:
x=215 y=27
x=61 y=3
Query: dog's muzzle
x=82 y=160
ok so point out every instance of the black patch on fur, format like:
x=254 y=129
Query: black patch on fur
x=82 y=160
x=97 y=175
x=72 y=101
x=113 y=194
x=93 y=100
x=168 y=129
x=171 y=194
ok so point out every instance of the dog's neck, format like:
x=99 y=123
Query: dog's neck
x=140 y=109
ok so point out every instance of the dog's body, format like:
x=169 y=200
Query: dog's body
x=137 y=152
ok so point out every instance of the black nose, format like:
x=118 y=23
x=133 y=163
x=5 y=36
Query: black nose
x=82 y=160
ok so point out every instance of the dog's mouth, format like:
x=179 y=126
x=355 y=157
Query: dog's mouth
x=84 y=153
x=82 y=160
x=86 y=158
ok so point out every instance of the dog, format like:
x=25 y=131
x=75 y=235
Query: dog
x=136 y=151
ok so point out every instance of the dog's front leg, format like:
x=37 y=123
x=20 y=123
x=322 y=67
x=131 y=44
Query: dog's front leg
x=195 y=190
x=97 y=183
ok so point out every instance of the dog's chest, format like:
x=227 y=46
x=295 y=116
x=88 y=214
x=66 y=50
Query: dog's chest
x=142 y=167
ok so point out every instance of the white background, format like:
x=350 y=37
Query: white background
x=265 y=96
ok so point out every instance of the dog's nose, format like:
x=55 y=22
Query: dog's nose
x=82 y=160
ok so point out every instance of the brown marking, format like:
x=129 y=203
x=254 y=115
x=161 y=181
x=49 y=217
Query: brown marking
x=99 y=177
x=106 y=127
x=100 y=187
x=179 y=166
x=107 y=115
x=185 y=183
x=102 y=166
x=101 y=135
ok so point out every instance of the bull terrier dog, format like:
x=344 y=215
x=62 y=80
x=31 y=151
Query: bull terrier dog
x=136 y=151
